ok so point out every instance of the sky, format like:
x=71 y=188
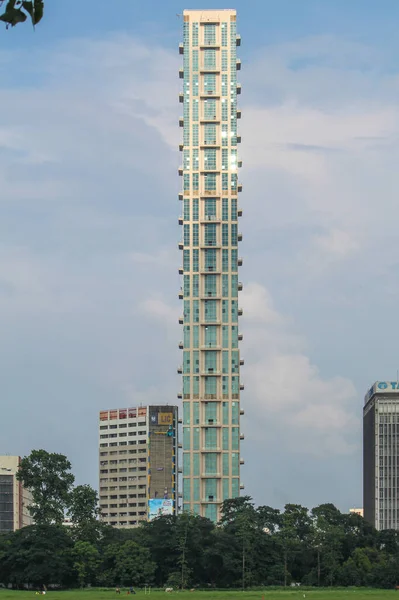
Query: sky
x=89 y=230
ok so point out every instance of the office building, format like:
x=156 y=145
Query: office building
x=381 y=455
x=14 y=498
x=138 y=464
x=210 y=261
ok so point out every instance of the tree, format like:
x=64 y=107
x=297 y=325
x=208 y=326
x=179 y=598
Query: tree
x=128 y=564
x=49 y=479
x=17 y=11
x=83 y=511
x=39 y=554
x=86 y=562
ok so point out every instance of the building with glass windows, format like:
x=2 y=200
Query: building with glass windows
x=138 y=468
x=14 y=498
x=381 y=455
x=209 y=219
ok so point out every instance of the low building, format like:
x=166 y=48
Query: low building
x=356 y=511
x=14 y=498
x=138 y=472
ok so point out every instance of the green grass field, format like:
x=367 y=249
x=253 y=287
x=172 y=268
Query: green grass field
x=322 y=594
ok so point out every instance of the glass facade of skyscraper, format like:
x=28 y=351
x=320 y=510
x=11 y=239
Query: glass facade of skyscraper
x=210 y=261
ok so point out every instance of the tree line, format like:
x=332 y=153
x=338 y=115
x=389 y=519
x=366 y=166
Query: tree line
x=251 y=546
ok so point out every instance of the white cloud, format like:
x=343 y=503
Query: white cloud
x=337 y=243
x=283 y=388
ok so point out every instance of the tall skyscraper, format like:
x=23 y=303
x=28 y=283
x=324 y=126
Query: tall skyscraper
x=14 y=498
x=138 y=464
x=211 y=357
x=381 y=455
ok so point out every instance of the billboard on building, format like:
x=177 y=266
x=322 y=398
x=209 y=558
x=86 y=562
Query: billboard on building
x=159 y=507
x=165 y=418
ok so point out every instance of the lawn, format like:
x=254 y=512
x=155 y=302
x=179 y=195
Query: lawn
x=297 y=593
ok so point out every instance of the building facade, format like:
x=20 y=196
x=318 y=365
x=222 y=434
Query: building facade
x=381 y=455
x=14 y=498
x=137 y=464
x=209 y=219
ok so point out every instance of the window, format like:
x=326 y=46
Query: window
x=209 y=134
x=186 y=361
x=196 y=464
x=225 y=336
x=210 y=234
x=226 y=465
x=195 y=60
x=195 y=234
x=234 y=260
x=196 y=489
x=195 y=208
x=210 y=337
x=195 y=260
x=234 y=234
x=186 y=260
x=210 y=285
x=225 y=438
x=195 y=109
x=196 y=438
x=234 y=336
x=225 y=234
x=210 y=159
x=234 y=413
x=186 y=313
x=186 y=209
x=225 y=182
x=210 y=108
x=186 y=285
x=210 y=387
x=225 y=286
x=210 y=438
x=196 y=385
x=186 y=159
x=210 y=182
x=211 y=362
x=195 y=164
x=235 y=488
x=210 y=207
x=195 y=286
x=224 y=85
x=234 y=209
x=196 y=361
x=211 y=412
x=209 y=83
x=186 y=438
x=224 y=110
x=225 y=358
x=235 y=436
x=195 y=336
x=195 y=29
x=195 y=134
x=195 y=85
x=195 y=182
x=209 y=58
x=209 y=34
x=225 y=139
x=225 y=158
x=234 y=286
x=225 y=311
x=224 y=34
x=225 y=209
x=224 y=60
x=210 y=311
x=210 y=259
x=234 y=311
x=210 y=463
x=195 y=311
x=186 y=387
x=186 y=182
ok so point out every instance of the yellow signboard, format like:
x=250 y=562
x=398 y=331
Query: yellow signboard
x=165 y=418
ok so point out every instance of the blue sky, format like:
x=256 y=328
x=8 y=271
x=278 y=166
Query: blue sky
x=88 y=230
